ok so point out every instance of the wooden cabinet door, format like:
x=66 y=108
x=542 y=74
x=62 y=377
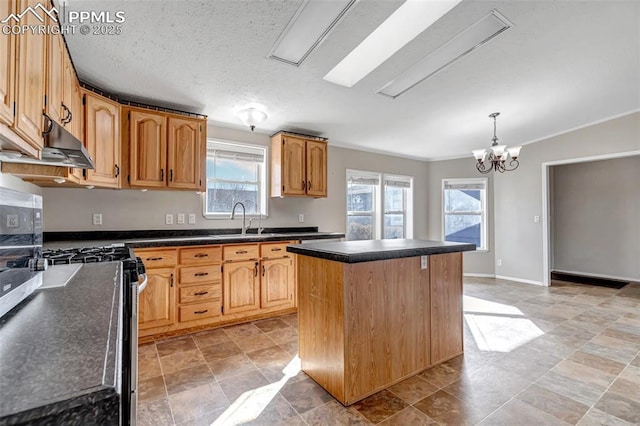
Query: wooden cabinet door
x=185 y=154
x=241 y=292
x=276 y=285
x=316 y=166
x=103 y=139
x=157 y=303
x=30 y=75
x=7 y=67
x=445 y=277
x=55 y=80
x=293 y=166
x=68 y=86
x=148 y=149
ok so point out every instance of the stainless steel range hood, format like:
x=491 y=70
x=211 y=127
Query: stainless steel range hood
x=61 y=148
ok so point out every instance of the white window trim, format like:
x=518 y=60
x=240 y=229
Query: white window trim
x=378 y=217
x=484 y=213
x=265 y=196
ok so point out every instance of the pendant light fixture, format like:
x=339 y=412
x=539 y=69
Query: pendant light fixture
x=497 y=157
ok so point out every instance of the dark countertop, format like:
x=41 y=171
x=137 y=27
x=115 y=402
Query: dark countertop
x=60 y=353
x=372 y=250
x=194 y=240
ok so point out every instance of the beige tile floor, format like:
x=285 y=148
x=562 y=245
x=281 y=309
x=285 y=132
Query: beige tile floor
x=568 y=354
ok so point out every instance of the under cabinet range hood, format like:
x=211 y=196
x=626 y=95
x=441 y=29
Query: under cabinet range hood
x=61 y=148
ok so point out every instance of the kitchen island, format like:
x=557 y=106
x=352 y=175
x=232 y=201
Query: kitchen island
x=372 y=313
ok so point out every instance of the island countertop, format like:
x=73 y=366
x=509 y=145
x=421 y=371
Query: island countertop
x=372 y=250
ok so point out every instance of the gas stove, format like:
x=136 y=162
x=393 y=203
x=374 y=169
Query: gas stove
x=87 y=255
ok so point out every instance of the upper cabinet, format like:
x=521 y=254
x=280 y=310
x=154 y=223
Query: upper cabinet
x=7 y=68
x=102 y=122
x=298 y=166
x=55 y=78
x=30 y=79
x=165 y=151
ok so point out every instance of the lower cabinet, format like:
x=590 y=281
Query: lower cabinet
x=157 y=301
x=191 y=288
x=241 y=289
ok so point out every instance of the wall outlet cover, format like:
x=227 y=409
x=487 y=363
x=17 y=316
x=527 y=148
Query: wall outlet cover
x=301 y=218
x=97 y=218
x=424 y=262
x=180 y=218
x=192 y=219
x=168 y=219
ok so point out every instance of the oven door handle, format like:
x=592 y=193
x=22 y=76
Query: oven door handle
x=143 y=284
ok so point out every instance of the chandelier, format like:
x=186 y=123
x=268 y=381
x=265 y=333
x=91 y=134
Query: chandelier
x=497 y=157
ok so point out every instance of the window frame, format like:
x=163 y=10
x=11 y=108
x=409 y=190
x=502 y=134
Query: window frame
x=483 y=213
x=379 y=212
x=263 y=185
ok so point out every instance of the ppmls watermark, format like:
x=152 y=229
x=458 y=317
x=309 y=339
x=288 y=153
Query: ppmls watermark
x=52 y=21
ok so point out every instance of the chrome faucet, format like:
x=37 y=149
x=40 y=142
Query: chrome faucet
x=233 y=213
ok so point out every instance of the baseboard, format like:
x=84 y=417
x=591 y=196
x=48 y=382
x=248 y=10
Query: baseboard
x=520 y=280
x=589 y=274
x=471 y=274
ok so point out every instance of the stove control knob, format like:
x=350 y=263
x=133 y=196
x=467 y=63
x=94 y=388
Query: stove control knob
x=38 y=264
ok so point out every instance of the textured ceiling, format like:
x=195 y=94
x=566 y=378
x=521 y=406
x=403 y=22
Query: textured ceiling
x=563 y=65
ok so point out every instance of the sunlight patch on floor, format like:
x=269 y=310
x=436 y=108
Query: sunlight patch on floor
x=498 y=327
x=249 y=405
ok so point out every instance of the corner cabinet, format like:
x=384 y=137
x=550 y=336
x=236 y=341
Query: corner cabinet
x=298 y=166
x=164 y=151
x=102 y=123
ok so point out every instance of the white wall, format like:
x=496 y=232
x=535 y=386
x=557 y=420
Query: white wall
x=67 y=209
x=477 y=262
x=596 y=218
x=518 y=194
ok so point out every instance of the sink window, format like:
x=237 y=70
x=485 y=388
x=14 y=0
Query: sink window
x=378 y=205
x=465 y=211
x=235 y=173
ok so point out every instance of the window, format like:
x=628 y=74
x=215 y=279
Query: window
x=465 y=211
x=235 y=173
x=378 y=205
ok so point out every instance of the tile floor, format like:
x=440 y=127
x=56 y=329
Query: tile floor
x=568 y=354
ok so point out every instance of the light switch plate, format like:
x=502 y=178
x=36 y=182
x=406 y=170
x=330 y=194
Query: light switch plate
x=424 y=262
x=97 y=218
x=168 y=219
x=180 y=218
x=301 y=218
x=192 y=219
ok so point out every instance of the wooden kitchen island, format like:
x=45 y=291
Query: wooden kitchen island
x=372 y=313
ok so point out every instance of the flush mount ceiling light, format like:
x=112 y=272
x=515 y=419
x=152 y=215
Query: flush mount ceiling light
x=310 y=25
x=461 y=45
x=405 y=24
x=495 y=158
x=251 y=117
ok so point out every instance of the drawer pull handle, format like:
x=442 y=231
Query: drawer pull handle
x=276 y=249
x=255 y=270
x=200 y=274
x=242 y=252
x=201 y=255
x=263 y=270
x=201 y=293
x=154 y=258
x=171 y=280
x=201 y=312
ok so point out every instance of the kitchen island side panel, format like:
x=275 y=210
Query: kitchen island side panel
x=387 y=320
x=321 y=344
x=446 y=306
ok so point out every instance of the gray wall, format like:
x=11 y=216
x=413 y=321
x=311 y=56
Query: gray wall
x=478 y=262
x=596 y=218
x=518 y=194
x=68 y=209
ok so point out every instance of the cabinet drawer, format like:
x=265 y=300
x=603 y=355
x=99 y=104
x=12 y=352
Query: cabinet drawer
x=200 y=293
x=241 y=252
x=199 y=274
x=158 y=258
x=199 y=255
x=200 y=311
x=269 y=250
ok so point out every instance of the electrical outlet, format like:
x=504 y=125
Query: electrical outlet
x=168 y=219
x=180 y=218
x=301 y=218
x=499 y=262
x=536 y=219
x=424 y=262
x=192 y=219
x=13 y=221
x=97 y=218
